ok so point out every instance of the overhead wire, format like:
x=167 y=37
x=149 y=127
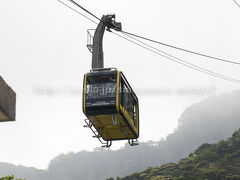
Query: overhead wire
x=182 y=49
x=236 y=3
x=168 y=56
x=78 y=5
x=174 y=56
x=161 y=43
x=77 y=12
x=180 y=61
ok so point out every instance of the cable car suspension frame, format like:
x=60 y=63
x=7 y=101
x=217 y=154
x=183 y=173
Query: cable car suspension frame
x=121 y=121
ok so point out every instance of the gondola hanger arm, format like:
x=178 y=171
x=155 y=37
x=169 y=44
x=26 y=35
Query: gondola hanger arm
x=107 y=22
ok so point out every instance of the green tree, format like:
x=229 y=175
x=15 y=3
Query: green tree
x=10 y=178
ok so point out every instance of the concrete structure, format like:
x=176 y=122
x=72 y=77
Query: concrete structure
x=7 y=102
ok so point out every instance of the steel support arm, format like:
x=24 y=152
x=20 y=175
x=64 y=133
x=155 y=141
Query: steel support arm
x=107 y=21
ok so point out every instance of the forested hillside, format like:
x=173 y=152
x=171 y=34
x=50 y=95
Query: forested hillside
x=219 y=161
x=209 y=121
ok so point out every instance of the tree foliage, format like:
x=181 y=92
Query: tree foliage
x=220 y=161
x=10 y=178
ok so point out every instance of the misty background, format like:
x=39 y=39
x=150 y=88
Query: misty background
x=43 y=57
x=208 y=121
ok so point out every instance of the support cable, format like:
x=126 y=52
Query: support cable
x=165 y=55
x=78 y=5
x=236 y=3
x=161 y=43
x=180 y=61
x=182 y=49
x=77 y=11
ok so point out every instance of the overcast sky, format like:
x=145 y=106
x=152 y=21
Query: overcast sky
x=43 y=57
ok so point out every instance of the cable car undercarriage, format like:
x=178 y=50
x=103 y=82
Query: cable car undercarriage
x=97 y=134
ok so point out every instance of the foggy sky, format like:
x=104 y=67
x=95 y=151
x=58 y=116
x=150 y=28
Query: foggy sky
x=43 y=44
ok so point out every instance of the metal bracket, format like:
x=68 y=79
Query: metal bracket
x=97 y=134
x=89 y=123
x=103 y=69
x=90 y=36
x=133 y=142
x=114 y=120
x=108 y=144
x=123 y=131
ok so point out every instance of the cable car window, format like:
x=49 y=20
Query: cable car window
x=101 y=79
x=129 y=102
x=101 y=90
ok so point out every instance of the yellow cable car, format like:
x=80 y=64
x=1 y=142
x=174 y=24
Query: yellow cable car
x=110 y=105
x=109 y=102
